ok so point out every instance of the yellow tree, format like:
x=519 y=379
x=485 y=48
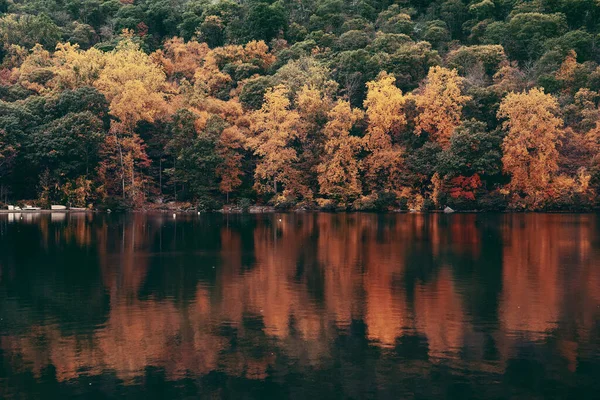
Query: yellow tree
x=530 y=154
x=229 y=149
x=37 y=65
x=339 y=170
x=256 y=52
x=136 y=89
x=74 y=68
x=133 y=84
x=440 y=105
x=385 y=114
x=272 y=129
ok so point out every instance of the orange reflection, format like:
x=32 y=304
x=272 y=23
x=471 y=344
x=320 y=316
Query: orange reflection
x=294 y=283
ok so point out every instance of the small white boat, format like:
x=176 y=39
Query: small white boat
x=77 y=209
x=30 y=208
x=58 y=207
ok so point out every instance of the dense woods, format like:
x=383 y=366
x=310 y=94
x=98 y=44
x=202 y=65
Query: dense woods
x=333 y=104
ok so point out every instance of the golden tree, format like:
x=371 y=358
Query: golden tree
x=210 y=77
x=256 y=52
x=339 y=170
x=37 y=64
x=272 y=129
x=530 y=154
x=440 y=105
x=74 y=68
x=136 y=90
x=133 y=84
x=385 y=113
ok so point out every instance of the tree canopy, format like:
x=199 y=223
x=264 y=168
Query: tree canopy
x=367 y=105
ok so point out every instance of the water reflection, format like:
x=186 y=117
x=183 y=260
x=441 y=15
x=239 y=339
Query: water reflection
x=299 y=305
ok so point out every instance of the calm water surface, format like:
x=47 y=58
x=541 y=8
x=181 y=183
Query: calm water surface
x=300 y=306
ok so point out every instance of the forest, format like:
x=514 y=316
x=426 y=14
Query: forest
x=301 y=104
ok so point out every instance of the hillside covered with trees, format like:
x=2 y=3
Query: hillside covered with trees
x=329 y=104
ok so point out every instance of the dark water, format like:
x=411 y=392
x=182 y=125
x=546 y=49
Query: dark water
x=300 y=306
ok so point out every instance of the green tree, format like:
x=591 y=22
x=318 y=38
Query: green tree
x=195 y=157
x=28 y=30
x=253 y=92
x=473 y=150
x=524 y=35
x=265 y=21
x=212 y=31
x=68 y=146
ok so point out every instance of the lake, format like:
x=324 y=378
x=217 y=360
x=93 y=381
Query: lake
x=305 y=305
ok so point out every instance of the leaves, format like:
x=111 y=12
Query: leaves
x=339 y=170
x=385 y=114
x=360 y=103
x=272 y=130
x=440 y=105
x=530 y=154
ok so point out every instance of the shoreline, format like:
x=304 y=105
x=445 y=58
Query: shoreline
x=273 y=211
x=46 y=211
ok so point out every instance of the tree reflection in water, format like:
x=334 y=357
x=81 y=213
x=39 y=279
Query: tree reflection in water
x=299 y=305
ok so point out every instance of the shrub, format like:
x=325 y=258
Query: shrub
x=386 y=201
x=492 y=201
x=326 y=205
x=365 y=203
x=403 y=203
x=206 y=204
x=117 y=204
x=244 y=203
x=281 y=202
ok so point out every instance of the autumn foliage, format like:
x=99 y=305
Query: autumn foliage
x=389 y=110
x=385 y=113
x=440 y=104
x=339 y=168
x=530 y=154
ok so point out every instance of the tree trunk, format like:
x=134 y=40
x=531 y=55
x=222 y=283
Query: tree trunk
x=132 y=181
x=122 y=166
x=174 y=177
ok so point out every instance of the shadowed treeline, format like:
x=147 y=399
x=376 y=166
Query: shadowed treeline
x=333 y=305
